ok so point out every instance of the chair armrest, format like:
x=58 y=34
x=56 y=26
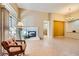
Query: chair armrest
x=20 y=41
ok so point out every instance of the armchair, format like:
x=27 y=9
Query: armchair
x=14 y=47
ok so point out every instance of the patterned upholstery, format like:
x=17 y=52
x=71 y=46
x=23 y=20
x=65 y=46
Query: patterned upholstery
x=13 y=47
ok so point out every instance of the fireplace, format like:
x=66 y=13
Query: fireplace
x=30 y=32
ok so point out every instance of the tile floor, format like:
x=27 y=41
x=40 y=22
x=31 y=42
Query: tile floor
x=53 y=47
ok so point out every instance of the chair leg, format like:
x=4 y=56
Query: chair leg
x=23 y=53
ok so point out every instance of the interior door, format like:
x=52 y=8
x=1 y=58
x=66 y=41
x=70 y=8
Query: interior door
x=46 y=29
x=58 y=28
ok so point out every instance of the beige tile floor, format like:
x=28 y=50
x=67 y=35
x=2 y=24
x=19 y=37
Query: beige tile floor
x=53 y=47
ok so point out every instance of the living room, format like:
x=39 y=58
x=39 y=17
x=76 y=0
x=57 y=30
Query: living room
x=27 y=21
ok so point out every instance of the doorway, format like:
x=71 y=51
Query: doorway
x=46 y=29
x=58 y=28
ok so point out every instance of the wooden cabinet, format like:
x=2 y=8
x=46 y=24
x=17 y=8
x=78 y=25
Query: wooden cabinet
x=58 y=28
x=72 y=35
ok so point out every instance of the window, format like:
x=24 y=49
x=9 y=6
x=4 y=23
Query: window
x=12 y=26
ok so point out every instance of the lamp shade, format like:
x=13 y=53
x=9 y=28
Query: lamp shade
x=20 y=25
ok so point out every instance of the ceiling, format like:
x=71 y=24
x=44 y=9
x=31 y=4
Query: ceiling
x=61 y=8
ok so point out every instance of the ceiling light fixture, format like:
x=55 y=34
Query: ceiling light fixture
x=70 y=17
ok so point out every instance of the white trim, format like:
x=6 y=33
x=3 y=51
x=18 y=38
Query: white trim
x=2 y=25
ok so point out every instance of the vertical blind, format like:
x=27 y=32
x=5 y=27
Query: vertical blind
x=12 y=26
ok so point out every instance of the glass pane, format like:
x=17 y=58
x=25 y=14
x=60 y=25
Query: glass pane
x=12 y=26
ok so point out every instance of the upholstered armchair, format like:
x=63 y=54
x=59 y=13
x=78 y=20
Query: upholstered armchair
x=14 y=47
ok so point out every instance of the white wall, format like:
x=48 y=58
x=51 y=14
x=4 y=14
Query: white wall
x=34 y=18
x=74 y=25
x=57 y=17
